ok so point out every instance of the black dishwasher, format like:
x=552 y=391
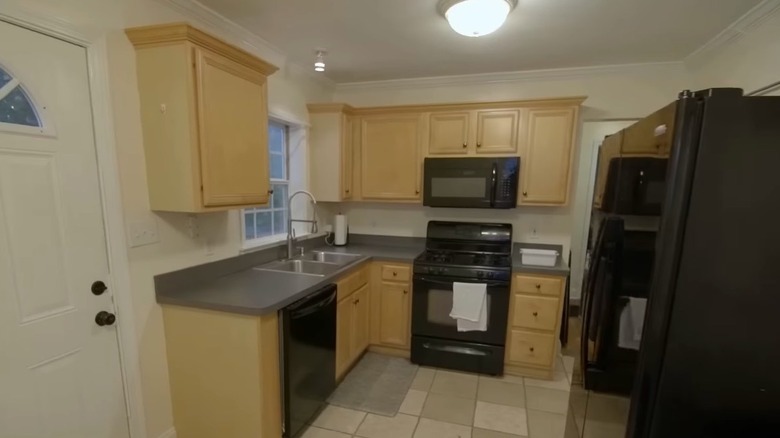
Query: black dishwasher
x=308 y=330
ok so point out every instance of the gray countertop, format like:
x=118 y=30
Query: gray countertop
x=253 y=292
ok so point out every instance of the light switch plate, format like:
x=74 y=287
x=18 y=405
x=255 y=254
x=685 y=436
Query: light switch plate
x=142 y=232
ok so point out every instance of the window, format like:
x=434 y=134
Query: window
x=262 y=223
x=16 y=107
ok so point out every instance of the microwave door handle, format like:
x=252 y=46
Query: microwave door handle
x=493 y=185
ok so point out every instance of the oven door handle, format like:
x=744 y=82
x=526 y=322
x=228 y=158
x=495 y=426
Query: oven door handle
x=449 y=282
x=454 y=349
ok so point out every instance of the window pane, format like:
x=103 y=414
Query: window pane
x=249 y=225
x=280 y=196
x=4 y=78
x=16 y=108
x=280 y=222
x=263 y=224
x=276 y=137
x=277 y=167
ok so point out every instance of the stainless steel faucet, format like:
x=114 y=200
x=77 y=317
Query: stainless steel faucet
x=290 y=220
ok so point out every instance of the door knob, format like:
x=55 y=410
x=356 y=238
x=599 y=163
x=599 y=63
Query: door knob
x=98 y=287
x=105 y=318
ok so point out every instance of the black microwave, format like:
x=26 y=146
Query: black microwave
x=635 y=186
x=471 y=182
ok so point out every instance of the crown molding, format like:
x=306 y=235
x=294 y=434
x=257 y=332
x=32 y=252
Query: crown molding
x=515 y=76
x=236 y=34
x=736 y=30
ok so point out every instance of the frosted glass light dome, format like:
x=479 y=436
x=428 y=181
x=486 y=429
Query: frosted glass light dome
x=475 y=18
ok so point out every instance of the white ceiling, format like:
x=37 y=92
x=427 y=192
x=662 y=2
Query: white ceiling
x=371 y=40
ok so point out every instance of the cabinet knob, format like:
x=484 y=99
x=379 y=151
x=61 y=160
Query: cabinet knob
x=538 y=286
x=271 y=192
x=525 y=193
x=356 y=301
x=406 y=291
x=417 y=192
x=536 y=313
x=479 y=145
x=395 y=273
x=531 y=349
x=465 y=145
x=347 y=191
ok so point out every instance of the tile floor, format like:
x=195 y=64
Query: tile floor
x=448 y=404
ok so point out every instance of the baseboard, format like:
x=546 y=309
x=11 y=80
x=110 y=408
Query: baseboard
x=170 y=433
x=390 y=351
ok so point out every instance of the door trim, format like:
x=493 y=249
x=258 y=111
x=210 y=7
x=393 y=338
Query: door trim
x=94 y=42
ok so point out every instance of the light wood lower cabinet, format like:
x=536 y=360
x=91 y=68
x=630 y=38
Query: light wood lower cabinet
x=394 y=322
x=352 y=319
x=224 y=373
x=535 y=309
x=391 y=307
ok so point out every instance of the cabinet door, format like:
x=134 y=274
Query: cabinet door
x=346 y=158
x=233 y=130
x=360 y=329
x=609 y=149
x=390 y=161
x=545 y=166
x=344 y=323
x=652 y=135
x=449 y=133
x=394 y=314
x=497 y=131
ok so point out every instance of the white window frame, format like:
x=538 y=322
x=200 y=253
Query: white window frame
x=273 y=238
x=46 y=129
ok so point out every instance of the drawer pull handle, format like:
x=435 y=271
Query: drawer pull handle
x=536 y=313
x=538 y=286
x=531 y=349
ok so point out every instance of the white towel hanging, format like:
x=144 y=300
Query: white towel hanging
x=469 y=306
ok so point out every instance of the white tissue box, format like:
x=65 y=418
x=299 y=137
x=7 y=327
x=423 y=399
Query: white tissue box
x=539 y=257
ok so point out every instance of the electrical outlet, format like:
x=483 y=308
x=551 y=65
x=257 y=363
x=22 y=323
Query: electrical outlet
x=142 y=232
x=534 y=234
x=193 y=228
x=209 y=247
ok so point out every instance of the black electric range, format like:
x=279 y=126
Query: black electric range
x=461 y=252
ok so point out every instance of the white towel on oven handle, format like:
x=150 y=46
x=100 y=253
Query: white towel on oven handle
x=469 y=306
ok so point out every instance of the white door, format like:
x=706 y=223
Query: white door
x=59 y=371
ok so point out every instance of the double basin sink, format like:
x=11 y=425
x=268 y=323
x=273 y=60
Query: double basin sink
x=316 y=263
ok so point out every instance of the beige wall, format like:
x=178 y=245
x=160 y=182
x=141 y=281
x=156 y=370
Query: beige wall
x=288 y=93
x=619 y=93
x=750 y=62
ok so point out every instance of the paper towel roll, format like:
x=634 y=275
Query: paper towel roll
x=341 y=229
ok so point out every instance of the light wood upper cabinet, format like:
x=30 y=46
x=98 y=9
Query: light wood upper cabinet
x=394 y=313
x=497 y=131
x=545 y=164
x=449 y=133
x=331 y=152
x=651 y=136
x=390 y=156
x=609 y=149
x=205 y=120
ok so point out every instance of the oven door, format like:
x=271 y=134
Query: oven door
x=432 y=303
x=459 y=182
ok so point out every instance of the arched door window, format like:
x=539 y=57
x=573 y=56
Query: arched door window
x=16 y=107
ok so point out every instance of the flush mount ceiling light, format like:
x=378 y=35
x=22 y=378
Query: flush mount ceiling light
x=319 y=61
x=475 y=18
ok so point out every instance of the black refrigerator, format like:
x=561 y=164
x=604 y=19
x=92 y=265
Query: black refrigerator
x=709 y=360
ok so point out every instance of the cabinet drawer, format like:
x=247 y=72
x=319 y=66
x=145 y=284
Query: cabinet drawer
x=535 y=312
x=532 y=284
x=396 y=273
x=531 y=348
x=352 y=282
